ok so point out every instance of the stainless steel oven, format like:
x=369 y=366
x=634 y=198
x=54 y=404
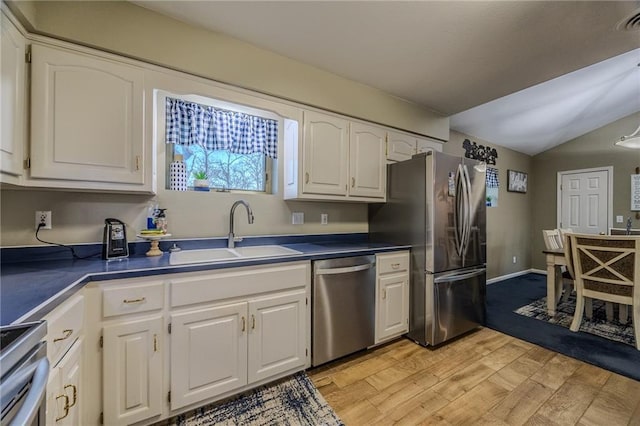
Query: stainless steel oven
x=24 y=370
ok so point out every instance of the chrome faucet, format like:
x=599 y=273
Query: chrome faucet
x=232 y=238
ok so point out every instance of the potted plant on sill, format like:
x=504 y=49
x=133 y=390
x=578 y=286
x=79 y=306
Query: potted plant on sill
x=200 y=182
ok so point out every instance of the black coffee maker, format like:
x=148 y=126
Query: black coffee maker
x=114 y=240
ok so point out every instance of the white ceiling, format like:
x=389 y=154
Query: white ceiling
x=504 y=70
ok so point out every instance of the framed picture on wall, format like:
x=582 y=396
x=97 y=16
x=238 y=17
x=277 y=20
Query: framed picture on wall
x=516 y=181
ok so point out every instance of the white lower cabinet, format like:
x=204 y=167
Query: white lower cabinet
x=132 y=370
x=392 y=290
x=63 y=389
x=208 y=353
x=218 y=349
x=277 y=334
x=172 y=345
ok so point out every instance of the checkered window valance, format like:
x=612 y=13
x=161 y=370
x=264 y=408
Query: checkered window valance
x=189 y=123
x=492 y=178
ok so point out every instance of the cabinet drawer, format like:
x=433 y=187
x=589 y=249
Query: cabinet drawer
x=132 y=298
x=394 y=262
x=64 y=325
x=237 y=282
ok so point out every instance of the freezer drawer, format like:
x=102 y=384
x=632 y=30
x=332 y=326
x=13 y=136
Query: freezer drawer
x=454 y=303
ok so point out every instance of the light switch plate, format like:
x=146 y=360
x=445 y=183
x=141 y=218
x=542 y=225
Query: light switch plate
x=324 y=218
x=297 y=218
x=619 y=219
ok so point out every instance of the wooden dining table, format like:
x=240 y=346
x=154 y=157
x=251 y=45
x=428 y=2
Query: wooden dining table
x=555 y=260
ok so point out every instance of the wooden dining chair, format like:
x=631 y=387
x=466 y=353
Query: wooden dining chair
x=607 y=268
x=553 y=241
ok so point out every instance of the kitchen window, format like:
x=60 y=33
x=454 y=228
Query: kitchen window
x=231 y=146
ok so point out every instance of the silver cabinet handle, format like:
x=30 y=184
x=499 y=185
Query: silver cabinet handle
x=353 y=182
x=306 y=177
x=348 y=269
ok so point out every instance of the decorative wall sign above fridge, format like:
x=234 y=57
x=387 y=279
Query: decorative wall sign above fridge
x=479 y=152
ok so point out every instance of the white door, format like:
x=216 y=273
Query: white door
x=393 y=306
x=208 y=353
x=132 y=371
x=277 y=334
x=325 y=154
x=86 y=118
x=12 y=70
x=71 y=376
x=367 y=161
x=585 y=200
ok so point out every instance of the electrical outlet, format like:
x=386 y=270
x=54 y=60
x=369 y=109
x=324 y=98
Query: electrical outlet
x=43 y=217
x=297 y=218
x=515 y=259
x=619 y=219
x=324 y=219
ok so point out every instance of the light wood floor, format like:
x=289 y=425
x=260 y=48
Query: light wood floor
x=484 y=378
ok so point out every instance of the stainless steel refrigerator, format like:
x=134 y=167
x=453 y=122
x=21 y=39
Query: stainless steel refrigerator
x=436 y=203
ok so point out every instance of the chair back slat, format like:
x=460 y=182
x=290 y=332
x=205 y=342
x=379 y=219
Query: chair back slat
x=552 y=240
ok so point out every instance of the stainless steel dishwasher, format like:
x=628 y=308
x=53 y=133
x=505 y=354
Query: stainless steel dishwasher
x=343 y=308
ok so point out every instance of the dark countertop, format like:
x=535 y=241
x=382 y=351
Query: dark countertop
x=44 y=284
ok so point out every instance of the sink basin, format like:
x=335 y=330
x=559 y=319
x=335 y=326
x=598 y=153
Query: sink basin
x=198 y=256
x=265 y=251
x=223 y=254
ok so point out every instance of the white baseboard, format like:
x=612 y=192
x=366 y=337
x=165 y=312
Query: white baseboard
x=539 y=271
x=514 y=274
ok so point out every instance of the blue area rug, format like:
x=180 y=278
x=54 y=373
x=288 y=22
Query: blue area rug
x=293 y=401
x=504 y=297
x=598 y=324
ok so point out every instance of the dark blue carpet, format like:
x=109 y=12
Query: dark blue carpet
x=504 y=297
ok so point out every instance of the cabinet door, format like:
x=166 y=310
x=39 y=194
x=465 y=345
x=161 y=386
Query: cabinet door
x=325 y=154
x=392 y=306
x=87 y=118
x=71 y=380
x=400 y=147
x=426 y=145
x=367 y=162
x=208 y=353
x=132 y=370
x=12 y=71
x=277 y=334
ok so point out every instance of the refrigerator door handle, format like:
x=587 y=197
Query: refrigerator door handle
x=458 y=215
x=459 y=276
x=467 y=210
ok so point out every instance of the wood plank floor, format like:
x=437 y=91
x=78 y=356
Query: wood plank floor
x=483 y=378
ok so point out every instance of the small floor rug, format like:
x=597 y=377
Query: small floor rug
x=293 y=401
x=598 y=324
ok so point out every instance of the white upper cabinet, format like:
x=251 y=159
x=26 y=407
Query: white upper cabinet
x=367 y=165
x=87 y=122
x=325 y=154
x=12 y=101
x=402 y=146
x=339 y=160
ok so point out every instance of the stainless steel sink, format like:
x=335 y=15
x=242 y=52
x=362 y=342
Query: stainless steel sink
x=224 y=254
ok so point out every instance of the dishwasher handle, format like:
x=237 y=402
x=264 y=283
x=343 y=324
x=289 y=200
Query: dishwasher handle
x=29 y=410
x=346 y=270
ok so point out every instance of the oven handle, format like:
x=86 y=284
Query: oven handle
x=33 y=399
